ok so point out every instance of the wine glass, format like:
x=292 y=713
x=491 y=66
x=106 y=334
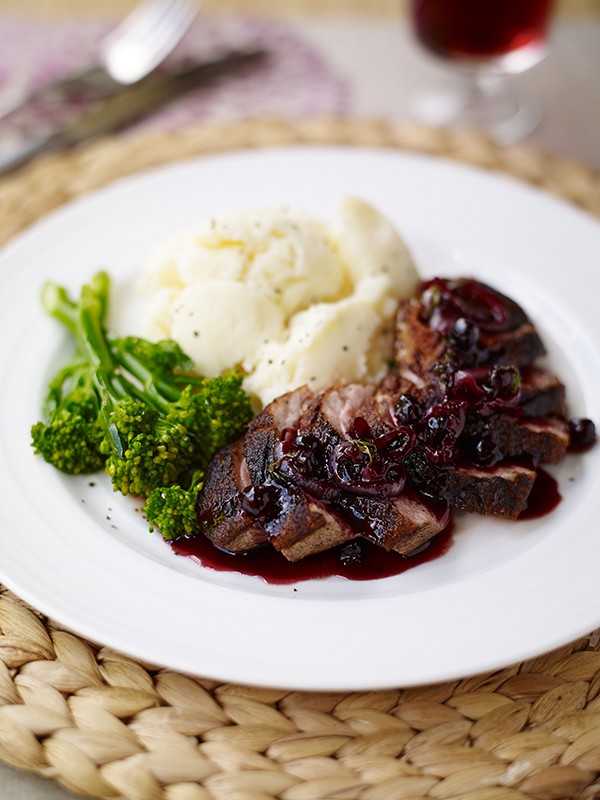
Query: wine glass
x=484 y=42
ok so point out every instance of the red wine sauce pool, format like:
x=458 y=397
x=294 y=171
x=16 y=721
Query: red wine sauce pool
x=544 y=497
x=358 y=560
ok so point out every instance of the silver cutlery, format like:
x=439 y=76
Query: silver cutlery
x=145 y=38
x=129 y=105
x=127 y=54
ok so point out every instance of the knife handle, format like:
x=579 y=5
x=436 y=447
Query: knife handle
x=23 y=152
x=92 y=83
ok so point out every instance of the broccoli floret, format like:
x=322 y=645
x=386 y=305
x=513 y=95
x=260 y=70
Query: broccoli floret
x=71 y=437
x=172 y=509
x=212 y=410
x=135 y=408
x=69 y=442
x=164 y=357
x=215 y=412
x=145 y=450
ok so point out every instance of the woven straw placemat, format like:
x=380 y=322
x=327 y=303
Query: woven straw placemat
x=106 y=726
x=383 y=8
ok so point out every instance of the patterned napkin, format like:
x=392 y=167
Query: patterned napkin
x=295 y=81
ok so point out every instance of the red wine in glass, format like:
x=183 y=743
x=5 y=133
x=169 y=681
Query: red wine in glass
x=481 y=28
x=484 y=40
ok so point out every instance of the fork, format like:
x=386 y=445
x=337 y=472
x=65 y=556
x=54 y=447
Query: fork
x=145 y=38
x=133 y=49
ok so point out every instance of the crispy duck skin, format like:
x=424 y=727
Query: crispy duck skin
x=542 y=393
x=543 y=439
x=399 y=523
x=418 y=348
x=302 y=524
x=218 y=506
x=501 y=490
x=253 y=493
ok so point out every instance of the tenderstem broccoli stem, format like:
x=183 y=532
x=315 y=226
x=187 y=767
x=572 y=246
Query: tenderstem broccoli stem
x=157 y=391
x=58 y=304
x=160 y=387
x=87 y=319
x=91 y=338
x=105 y=350
x=111 y=386
x=91 y=334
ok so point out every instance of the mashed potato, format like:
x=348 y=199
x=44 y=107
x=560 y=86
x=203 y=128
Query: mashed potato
x=281 y=295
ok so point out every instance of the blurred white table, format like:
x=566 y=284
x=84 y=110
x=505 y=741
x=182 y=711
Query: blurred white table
x=381 y=62
x=374 y=63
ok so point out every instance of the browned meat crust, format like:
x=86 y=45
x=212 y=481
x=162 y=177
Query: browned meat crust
x=502 y=490
x=219 y=506
x=418 y=348
x=256 y=492
x=542 y=393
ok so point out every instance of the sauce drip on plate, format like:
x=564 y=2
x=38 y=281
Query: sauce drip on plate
x=359 y=560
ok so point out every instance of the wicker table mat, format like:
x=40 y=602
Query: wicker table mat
x=106 y=726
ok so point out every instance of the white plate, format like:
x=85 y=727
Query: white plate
x=504 y=591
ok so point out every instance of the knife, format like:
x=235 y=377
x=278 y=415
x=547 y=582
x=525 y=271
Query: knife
x=129 y=105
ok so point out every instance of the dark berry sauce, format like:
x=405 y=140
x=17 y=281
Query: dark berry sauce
x=459 y=418
x=456 y=421
x=359 y=560
x=582 y=434
x=464 y=307
x=543 y=498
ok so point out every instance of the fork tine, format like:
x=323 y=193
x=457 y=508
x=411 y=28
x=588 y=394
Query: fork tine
x=128 y=53
x=144 y=18
x=145 y=37
x=164 y=35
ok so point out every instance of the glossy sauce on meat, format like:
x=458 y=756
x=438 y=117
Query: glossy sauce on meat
x=361 y=482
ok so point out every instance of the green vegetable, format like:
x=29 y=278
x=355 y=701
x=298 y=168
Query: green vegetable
x=172 y=509
x=135 y=408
